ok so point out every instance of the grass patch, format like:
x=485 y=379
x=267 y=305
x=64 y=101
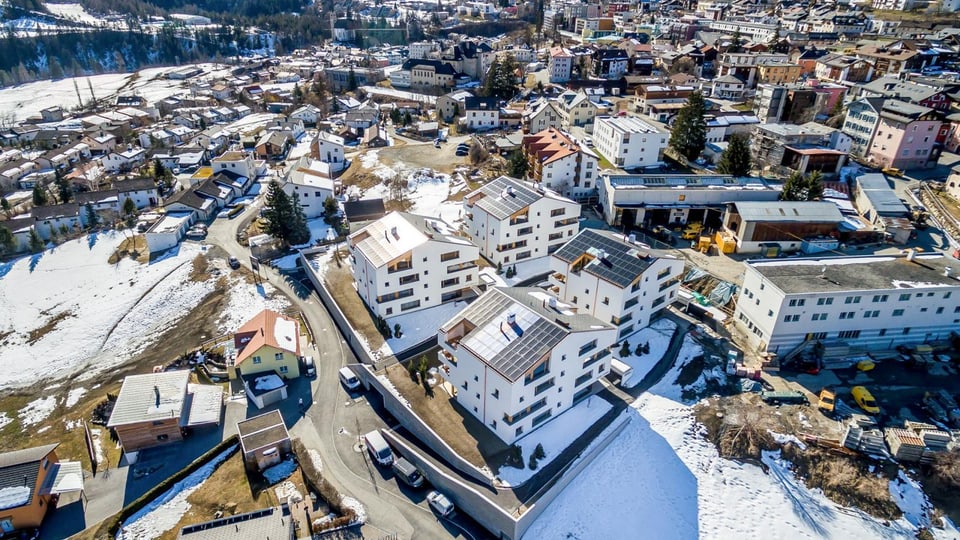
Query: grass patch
x=37 y=333
x=134 y=247
x=227 y=490
x=199 y=268
x=845 y=480
x=941 y=482
x=339 y=281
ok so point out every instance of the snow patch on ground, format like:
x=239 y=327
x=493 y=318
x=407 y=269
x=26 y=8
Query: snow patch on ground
x=555 y=436
x=246 y=300
x=910 y=498
x=357 y=507
x=280 y=471
x=4 y=419
x=164 y=512
x=657 y=336
x=782 y=439
x=667 y=387
x=37 y=411
x=74 y=395
x=107 y=312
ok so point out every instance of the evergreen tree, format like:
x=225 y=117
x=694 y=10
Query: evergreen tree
x=158 y=170
x=735 y=159
x=518 y=164
x=5 y=206
x=735 y=43
x=129 y=207
x=299 y=230
x=814 y=186
x=329 y=208
x=8 y=243
x=36 y=243
x=351 y=80
x=278 y=212
x=500 y=81
x=39 y=195
x=64 y=189
x=802 y=188
x=92 y=218
x=688 y=136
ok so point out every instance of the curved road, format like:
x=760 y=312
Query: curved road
x=334 y=419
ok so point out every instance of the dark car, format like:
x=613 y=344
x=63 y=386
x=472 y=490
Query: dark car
x=233 y=262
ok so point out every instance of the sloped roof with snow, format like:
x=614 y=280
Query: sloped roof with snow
x=19 y=471
x=267 y=328
x=150 y=397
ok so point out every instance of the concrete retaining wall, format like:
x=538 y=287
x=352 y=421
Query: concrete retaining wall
x=409 y=419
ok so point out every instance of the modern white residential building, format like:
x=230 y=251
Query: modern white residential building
x=311 y=180
x=874 y=302
x=518 y=357
x=560 y=64
x=404 y=262
x=557 y=161
x=240 y=163
x=617 y=281
x=328 y=148
x=512 y=221
x=629 y=142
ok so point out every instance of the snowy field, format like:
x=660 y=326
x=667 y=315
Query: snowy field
x=246 y=300
x=69 y=311
x=525 y=270
x=428 y=190
x=657 y=336
x=555 y=436
x=662 y=479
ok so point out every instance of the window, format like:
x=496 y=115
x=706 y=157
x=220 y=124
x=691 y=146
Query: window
x=791 y=318
x=449 y=256
x=824 y=301
x=849 y=334
x=880 y=298
x=904 y=297
x=852 y=300
x=871 y=314
x=278 y=356
x=882 y=332
x=819 y=316
x=847 y=314
x=939 y=310
x=898 y=313
x=256 y=360
x=496 y=393
x=906 y=330
x=797 y=302
x=284 y=369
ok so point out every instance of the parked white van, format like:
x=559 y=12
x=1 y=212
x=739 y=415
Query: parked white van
x=379 y=449
x=349 y=378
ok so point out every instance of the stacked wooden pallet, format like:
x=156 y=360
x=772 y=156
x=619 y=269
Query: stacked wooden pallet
x=905 y=445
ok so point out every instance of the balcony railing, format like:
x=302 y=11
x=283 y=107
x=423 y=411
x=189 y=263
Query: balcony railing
x=400 y=267
x=565 y=222
x=514 y=245
x=394 y=296
x=462 y=266
x=559 y=277
x=541 y=388
x=631 y=302
x=520 y=220
x=511 y=419
x=600 y=355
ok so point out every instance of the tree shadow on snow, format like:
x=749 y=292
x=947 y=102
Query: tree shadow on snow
x=35 y=260
x=92 y=240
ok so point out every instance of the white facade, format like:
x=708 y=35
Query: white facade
x=618 y=282
x=871 y=303
x=511 y=221
x=125 y=160
x=328 y=148
x=142 y=194
x=542 y=115
x=404 y=262
x=629 y=142
x=240 y=163
x=311 y=181
x=513 y=394
x=560 y=65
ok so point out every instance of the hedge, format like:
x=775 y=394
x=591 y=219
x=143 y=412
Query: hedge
x=112 y=525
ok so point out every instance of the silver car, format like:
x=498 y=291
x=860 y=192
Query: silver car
x=440 y=503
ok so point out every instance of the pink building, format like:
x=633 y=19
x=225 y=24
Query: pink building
x=836 y=93
x=906 y=136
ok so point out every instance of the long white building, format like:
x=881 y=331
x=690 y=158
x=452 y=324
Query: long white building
x=512 y=221
x=405 y=262
x=616 y=281
x=875 y=302
x=517 y=358
x=629 y=142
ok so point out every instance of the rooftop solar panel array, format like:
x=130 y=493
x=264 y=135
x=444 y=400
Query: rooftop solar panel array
x=614 y=260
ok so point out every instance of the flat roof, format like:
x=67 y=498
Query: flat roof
x=149 y=397
x=839 y=274
x=630 y=124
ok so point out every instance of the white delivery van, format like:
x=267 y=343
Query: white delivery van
x=378 y=448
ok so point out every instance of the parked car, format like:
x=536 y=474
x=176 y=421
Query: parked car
x=379 y=449
x=310 y=366
x=864 y=399
x=233 y=262
x=588 y=141
x=440 y=503
x=349 y=379
x=196 y=234
x=828 y=399
x=892 y=171
x=407 y=472
x=461 y=153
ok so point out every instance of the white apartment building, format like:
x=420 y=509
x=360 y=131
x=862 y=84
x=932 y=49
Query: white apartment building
x=617 y=281
x=629 y=142
x=240 y=163
x=518 y=358
x=328 y=148
x=560 y=65
x=481 y=113
x=870 y=303
x=393 y=257
x=310 y=180
x=558 y=162
x=512 y=221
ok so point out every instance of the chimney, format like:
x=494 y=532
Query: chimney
x=553 y=302
x=911 y=253
x=393 y=231
x=947 y=271
x=511 y=318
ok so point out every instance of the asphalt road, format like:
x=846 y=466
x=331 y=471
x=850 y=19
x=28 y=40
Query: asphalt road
x=334 y=420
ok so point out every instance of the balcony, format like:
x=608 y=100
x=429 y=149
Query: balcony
x=512 y=246
x=394 y=296
x=459 y=267
x=400 y=267
x=412 y=278
x=600 y=355
x=541 y=388
x=520 y=220
x=511 y=419
x=524 y=231
x=446 y=358
x=620 y=321
x=566 y=222
x=631 y=302
x=559 y=277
